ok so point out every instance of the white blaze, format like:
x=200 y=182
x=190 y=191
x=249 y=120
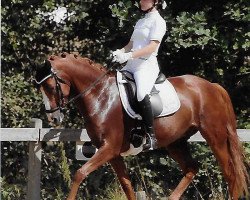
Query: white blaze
x=46 y=101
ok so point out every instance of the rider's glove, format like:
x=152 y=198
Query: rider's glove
x=115 y=53
x=118 y=51
x=121 y=57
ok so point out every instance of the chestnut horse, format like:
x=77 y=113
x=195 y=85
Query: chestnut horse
x=205 y=107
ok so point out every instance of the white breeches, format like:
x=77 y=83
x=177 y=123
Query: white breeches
x=145 y=73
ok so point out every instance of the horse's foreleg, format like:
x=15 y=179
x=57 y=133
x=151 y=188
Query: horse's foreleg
x=182 y=186
x=103 y=155
x=121 y=171
x=179 y=151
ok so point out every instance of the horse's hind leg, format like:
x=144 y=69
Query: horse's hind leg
x=179 y=151
x=218 y=127
x=120 y=169
x=220 y=147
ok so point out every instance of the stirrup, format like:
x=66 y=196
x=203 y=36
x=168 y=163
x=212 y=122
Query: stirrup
x=136 y=136
x=136 y=140
x=151 y=143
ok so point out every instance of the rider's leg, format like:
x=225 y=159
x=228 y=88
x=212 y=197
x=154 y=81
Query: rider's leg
x=148 y=118
x=145 y=78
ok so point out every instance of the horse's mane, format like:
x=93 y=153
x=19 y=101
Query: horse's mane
x=75 y=58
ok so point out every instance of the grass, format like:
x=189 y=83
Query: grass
x=113 y=192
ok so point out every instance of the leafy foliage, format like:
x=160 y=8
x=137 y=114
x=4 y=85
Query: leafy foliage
x=208 y=38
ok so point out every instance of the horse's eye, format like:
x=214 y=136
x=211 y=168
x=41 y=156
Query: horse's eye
x=49 y=88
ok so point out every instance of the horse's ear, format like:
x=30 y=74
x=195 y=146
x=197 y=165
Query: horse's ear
x=47 y=65
x=32 y=68
x=42 y=70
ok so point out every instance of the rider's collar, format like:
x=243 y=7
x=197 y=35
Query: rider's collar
x=149 y=14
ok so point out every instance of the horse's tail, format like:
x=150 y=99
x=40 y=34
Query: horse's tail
x=235 y=147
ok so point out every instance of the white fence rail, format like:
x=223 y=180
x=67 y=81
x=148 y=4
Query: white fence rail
x=35 y=136
x=55 y=135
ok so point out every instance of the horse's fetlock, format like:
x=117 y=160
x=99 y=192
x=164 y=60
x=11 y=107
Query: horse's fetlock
x=190 y=175
x=80 y=175
x=126 y=186
x=174 y=197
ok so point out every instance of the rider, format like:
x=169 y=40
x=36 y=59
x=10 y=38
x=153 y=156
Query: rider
x=141 y=52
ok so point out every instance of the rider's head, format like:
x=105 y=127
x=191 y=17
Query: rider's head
x=149 y=5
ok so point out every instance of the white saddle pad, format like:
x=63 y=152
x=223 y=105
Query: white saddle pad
x=169 y=97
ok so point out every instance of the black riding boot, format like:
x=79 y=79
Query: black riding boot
x=147 y=118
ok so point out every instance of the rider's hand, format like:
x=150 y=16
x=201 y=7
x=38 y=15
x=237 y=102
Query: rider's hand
x=121 y=57
x=118 y=51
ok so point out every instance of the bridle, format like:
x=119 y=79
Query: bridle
x=61 y=104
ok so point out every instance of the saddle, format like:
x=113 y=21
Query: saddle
x=164 y=101
x=130 y=88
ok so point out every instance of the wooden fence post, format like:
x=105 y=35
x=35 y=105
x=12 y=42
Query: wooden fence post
x=34 y=166
x=141 y=195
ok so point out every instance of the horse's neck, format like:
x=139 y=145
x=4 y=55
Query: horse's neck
x=99 y=99
x=82 y=78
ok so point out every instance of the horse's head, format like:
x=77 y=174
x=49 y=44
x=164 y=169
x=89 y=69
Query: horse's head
x=61 y=73
x=55 y=89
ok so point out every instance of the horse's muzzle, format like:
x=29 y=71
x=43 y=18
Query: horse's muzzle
x=56 y=118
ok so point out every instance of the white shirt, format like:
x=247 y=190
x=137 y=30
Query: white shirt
x=145 y=69
x=151 y=27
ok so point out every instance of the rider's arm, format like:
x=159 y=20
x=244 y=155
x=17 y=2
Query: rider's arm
x=147 y=50
x=128 y=47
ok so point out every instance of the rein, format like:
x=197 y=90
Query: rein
x=89 y=87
